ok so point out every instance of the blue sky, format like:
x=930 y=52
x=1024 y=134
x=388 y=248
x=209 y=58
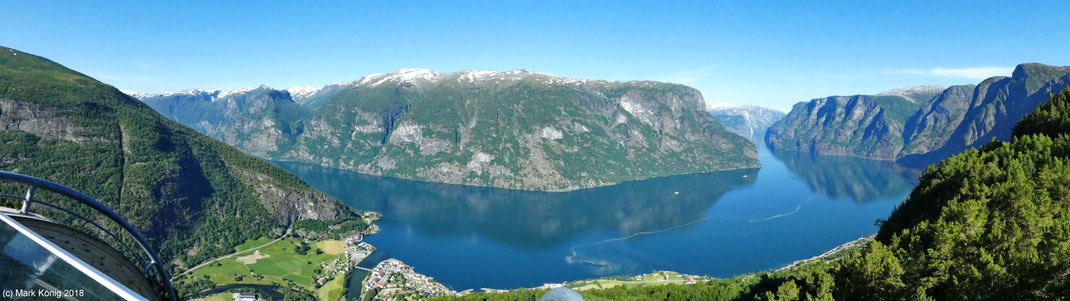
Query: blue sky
x=742 y=52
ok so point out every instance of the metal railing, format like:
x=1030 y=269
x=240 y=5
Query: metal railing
x=147 y=250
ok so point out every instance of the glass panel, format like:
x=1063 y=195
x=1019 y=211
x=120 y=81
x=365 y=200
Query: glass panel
x=29 y=271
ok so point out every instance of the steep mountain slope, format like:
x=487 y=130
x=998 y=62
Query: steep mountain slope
x=192 y=196
x=933 y=124
x=862 y=125
x=257 y=120
x=751 y=122
x=956 y=119
x=998 y=104
x=514 y=129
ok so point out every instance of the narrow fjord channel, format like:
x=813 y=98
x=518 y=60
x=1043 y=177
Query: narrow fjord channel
x=719 y=224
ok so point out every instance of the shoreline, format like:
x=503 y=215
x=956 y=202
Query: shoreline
x=565 y=190
x=831 y=252
x=840 y=248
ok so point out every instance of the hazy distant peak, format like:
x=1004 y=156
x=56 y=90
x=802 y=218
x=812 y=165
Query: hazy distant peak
x=721 y=106
x=718 y=106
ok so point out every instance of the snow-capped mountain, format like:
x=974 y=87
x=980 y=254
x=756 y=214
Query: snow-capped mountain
x=301 y=91
x=315 y=97
x=209 y=95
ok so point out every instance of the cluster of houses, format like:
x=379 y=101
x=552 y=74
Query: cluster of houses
x=337 y=266
x=355 y=251
x=393 y=278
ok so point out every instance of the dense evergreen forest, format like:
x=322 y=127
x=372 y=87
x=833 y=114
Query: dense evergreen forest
x=987 y=224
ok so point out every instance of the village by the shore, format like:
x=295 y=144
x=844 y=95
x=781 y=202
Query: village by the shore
x=392 y=279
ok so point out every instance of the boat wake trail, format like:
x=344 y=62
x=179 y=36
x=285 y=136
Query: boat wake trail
x=797 y=207
x=601 y=266
x=604 y=266
x=776 y=216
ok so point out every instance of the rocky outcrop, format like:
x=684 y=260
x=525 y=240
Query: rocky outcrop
x=41 y=121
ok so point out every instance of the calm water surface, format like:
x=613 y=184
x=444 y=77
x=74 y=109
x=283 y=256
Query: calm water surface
x=718 y=224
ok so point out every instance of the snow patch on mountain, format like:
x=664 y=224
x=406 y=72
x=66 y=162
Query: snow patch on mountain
x=209 y=94
x=551 y=133
x=410 y=75
x=302 y=91
x=491 y=75
x=222 y=94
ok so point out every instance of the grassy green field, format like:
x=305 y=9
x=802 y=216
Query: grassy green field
x=657 y=278
x=332 y=290
x=335 y=247
x=277 y=263
x=252 y=243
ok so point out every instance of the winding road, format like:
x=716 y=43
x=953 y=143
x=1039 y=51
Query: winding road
x=233 y=254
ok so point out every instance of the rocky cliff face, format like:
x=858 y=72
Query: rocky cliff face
x=957 y=118
x=192 y=196
x=514 y=129
x=751 y=122
x=930 y=128
x=862 y=125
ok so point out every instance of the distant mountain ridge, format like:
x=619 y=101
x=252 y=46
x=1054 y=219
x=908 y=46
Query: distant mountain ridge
x=513 y=129
x=256 y=120
x=748 y=121
x=903 y=125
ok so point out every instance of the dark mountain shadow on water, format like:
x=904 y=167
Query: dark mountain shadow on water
x=850 y=178
x=528 y=219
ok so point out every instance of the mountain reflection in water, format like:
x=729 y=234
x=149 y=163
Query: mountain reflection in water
x=849 y=178
x=721 y=224
x=529 y=219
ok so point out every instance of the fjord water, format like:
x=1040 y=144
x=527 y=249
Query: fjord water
x=719 y=224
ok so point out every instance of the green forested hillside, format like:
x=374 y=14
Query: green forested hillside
x=987 y=224
x=192 y=196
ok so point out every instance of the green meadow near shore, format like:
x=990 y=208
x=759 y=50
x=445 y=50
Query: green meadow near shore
x=282 y=263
